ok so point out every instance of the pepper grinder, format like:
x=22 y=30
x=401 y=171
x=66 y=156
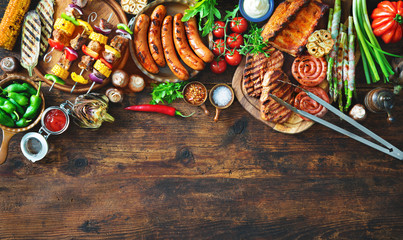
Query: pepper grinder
x=379 y=100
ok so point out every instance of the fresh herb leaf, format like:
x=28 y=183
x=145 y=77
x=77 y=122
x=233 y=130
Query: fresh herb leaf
x=231 y=14
x=166 y=92
x=205 y=9
x=253 y=42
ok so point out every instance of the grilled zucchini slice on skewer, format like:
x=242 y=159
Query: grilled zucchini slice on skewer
x=31 y=39
x=46 y=10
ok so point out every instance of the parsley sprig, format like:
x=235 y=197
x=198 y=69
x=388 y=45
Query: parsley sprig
x=166 y=92
x=253 y=42
x=205 y=9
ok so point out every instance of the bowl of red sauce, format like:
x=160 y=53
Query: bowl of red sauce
x=55 y=120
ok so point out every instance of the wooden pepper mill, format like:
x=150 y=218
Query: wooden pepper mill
x=380 y=100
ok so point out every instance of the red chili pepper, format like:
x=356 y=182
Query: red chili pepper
x=171 y=111
x=89 y=52
x=56 y=44
x=106 y=63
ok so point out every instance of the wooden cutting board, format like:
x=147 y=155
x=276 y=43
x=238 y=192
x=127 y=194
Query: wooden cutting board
x=103 y=8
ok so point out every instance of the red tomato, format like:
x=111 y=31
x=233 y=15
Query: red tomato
x=219 y=47
x=218 y=29
x=233 y=57
x=218 y=66
x=238 y=25
x=234 y=40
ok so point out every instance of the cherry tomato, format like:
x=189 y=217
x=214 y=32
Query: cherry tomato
x=218 y=66
x=234 y=40
x=233 y=58
x=238 y=25
x=218 y=47
x=218 y=29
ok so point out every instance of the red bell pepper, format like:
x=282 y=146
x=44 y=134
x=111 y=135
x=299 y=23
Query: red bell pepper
x=70 y=54
x=89 y=52
x=388 y=21
x=56 y=44
x=106 y=63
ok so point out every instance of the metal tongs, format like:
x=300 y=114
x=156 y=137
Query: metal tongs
x=386 y=148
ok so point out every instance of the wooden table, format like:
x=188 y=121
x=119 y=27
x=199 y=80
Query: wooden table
x=151 y=176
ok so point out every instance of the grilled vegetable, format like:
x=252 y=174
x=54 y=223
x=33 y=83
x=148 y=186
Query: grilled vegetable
x=60 y=72
x=11 y=23
x=98 y=37
x=45 y=9
x=102 y=68
x=31 y=39
x=65 y=26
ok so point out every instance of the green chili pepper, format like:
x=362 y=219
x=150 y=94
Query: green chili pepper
x=15 y=87
x=6 y=120
x=70 y=18
x=124 y=27
x=19 y=98
x=34 y=105
x=30 y=89
x=23 y=122
x=26 y=94
x=8 y=107
x=55 y=78
x=20 y=110
x=14 y=116
x=2 y=100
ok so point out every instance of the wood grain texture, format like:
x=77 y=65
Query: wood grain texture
x=151 y=176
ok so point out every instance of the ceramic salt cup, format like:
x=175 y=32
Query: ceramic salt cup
x=221 y=97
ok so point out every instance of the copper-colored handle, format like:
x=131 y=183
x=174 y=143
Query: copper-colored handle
x=203 y=106
x=4 y=145
x=217 y=114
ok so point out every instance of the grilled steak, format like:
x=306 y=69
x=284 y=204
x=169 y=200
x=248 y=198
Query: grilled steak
x=284 y=13
x=270 y=110
x=255 y=68
x=294 y=36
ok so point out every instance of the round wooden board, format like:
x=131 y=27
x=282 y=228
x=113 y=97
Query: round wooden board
x=294 y=124
x=103 y=8
x=173 y=7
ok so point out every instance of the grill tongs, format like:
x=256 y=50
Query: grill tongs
x=386 y=148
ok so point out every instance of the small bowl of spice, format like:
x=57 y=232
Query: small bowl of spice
x=221 y=97
x=195 y=93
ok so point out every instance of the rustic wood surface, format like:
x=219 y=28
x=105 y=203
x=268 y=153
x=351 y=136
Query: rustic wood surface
x=150 y=176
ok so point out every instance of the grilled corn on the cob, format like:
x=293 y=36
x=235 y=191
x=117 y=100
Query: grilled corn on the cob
x=102 y=68
x=102 y=39
x=65 y=26
x=60 y=72
x=11 y=23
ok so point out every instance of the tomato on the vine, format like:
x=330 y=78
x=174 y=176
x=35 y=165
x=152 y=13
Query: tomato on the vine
x=234 y=40
x=218 y=66
x=233 y=58
x=218 y=47
x=238 y=25
x=218 y=29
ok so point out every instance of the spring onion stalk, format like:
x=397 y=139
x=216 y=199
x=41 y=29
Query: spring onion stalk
x=358 y=23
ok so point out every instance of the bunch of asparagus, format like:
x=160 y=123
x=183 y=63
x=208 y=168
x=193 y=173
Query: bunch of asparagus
x=341 y=60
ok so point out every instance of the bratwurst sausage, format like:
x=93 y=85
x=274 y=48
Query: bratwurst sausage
x=196 y=42
x=154 y=35
x=169 y=50
x=141 y=45
x=182 y=45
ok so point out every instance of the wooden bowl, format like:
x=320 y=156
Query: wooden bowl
x=173 y=7
x=8 y=132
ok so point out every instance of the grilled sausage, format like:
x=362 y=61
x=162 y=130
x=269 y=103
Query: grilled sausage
x=169 y=50
x=196 y=42
x=141 y=45
x=154 y=35
x=182 y=46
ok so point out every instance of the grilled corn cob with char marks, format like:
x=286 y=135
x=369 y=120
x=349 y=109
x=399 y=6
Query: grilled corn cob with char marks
x=102 y=68
x=30 y=45
x=102 y=39
x=11 y=23
x=60 y=72
x=65 y=26
x=45 y=9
